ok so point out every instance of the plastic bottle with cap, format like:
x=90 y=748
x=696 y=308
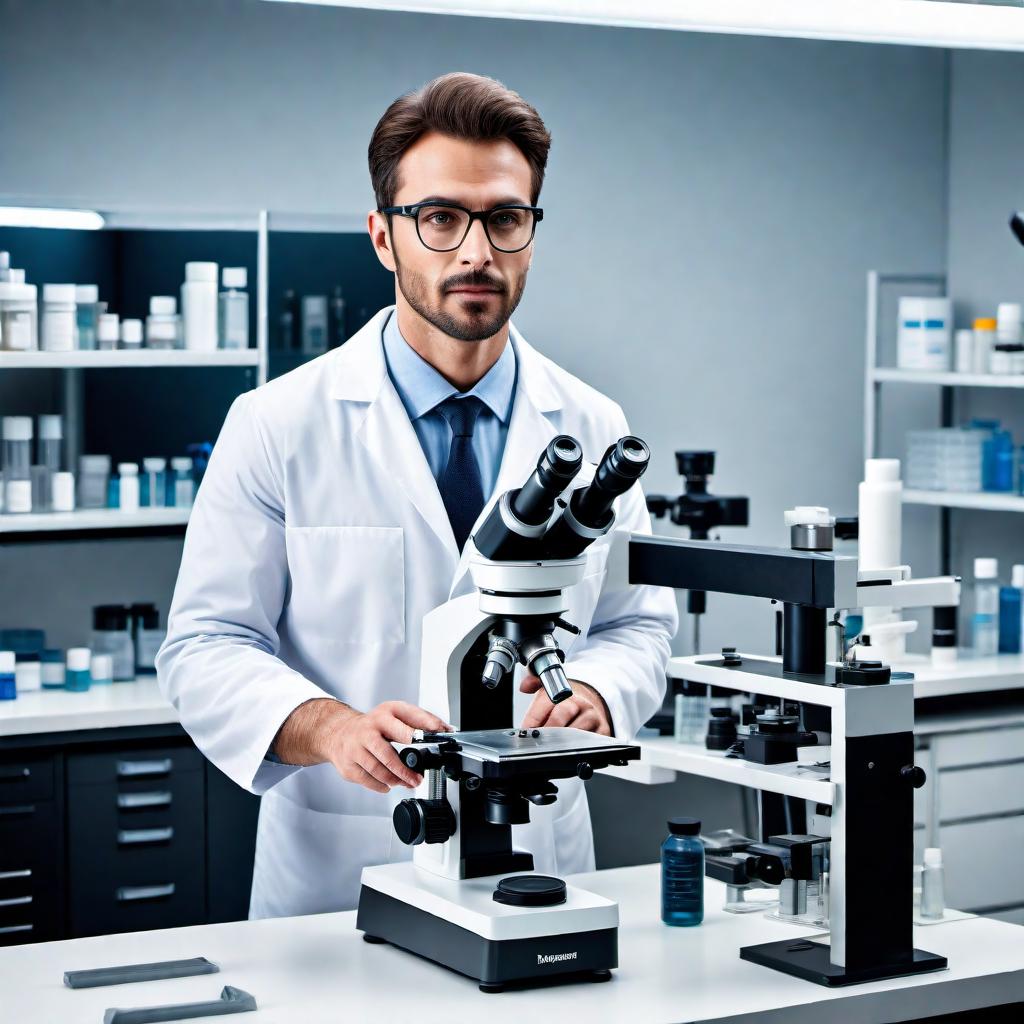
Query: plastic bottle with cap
x=48 y=460
x=17 y=460
x=154 y=482
x=101 y=670
x=108 y=333
x=76 y=676
x=199 y=306
x=963 y=345
x=18 y=311
x=58 y=319
x=163 y=325
x=984 y=340
x=682 y=874
x=985 y=619
x=87 y=316
x=28 y=674
x=128 y=486
x=1011 y=613
x=8 y=687
x=181 y=487
x=924 y=337
x=52 y=668
x=131 y=334
x=63 y=492
x=93 y=480
x=234 y=310
x=933 y=898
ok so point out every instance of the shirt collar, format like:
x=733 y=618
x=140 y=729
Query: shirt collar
x=421 y=388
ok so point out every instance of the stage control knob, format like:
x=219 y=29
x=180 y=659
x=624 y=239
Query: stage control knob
x=914 y=774
x=424 y=821
x=585 y=770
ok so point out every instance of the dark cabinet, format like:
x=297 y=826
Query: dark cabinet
x=119 y=830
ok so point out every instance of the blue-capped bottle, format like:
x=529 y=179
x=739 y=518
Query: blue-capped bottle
x=8 y=690
x=682 y=873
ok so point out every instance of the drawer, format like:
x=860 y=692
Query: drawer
x=982 y=863
x=29 y=835
x=24 y=779
x=978 y=748
x=133 y=768
x=31 y=907
x=160 y=901
x=972 y=792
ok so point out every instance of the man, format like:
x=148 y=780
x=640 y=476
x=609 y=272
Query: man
x=337 y=505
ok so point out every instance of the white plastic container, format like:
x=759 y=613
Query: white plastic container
x=199 y=307
x=28 y=675
x=163 y=325
x=58 y=320
x=964 y=345
x=155 y=469
x=925 y=336
x=131 y=334
x=184 y=485
x=63 y=485
x=108 y=333
x=128 y=488
x=985 y=620
x=17 y=459
x=18 y=331
x=234 y=310
x=93 y=478
x=1008 y=323
x=984 y=340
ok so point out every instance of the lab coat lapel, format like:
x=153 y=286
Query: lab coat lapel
x=361 y=375
x=529 y=431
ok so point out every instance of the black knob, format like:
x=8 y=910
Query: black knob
x=585 y=770
x=914 y=774
x=423 y=821
x=419 y=759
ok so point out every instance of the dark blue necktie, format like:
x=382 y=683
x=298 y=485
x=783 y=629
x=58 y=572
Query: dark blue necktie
x=461 y=488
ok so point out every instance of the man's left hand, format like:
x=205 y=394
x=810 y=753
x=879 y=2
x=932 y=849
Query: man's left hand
x=585 y=709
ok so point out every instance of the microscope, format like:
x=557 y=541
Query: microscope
x=469 y=900
x=855 y=837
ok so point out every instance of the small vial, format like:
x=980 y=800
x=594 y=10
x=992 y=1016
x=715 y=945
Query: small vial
x=985 y=620
x=77 y=677
x=93 y=477
x=233 y=307
x=154 y=482
x=128 y=486
x=17 y=456
x=8 y=688
x=87 y=316
x=63 y=492
x=148 y=637
x=933 y=898
x=108 y=333
x=182 y=482
x=682 y=874
x=51 y=663
x=48 y=459
x=131 y=334
x=163 y=325
x=101 y=671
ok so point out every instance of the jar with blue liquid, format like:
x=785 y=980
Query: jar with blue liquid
x=77 y=676
x=682 y=874
x=8 y=689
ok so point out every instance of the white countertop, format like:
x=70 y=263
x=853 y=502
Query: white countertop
x=317 y=969
x=100 y=707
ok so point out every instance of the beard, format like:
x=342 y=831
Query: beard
x=479 y=319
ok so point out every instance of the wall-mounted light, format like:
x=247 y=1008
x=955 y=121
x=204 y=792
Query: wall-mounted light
x=42 y=217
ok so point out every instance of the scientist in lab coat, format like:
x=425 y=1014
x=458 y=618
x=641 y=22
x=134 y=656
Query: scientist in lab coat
x=336 y=508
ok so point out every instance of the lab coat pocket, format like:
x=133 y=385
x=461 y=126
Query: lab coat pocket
x=347 y=583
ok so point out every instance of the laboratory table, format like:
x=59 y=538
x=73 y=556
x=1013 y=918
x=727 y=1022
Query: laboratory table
x=306 y=970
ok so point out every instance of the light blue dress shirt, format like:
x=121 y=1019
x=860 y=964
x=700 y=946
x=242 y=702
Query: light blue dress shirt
x=421 y=389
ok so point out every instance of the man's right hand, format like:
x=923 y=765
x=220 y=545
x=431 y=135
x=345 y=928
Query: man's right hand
x=359 y=744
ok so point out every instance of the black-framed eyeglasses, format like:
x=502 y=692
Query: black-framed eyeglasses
x=442 y=227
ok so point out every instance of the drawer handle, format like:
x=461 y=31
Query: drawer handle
x=129 y=893
x=24 y=873
x=131 y=769
x=17 y=810
x=140 y=836
x=133 y=801
x=10 y=929
x=15 y=774
x=16 y=901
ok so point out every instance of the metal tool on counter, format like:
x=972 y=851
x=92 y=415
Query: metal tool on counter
x=232 y=1000
x=129 y=973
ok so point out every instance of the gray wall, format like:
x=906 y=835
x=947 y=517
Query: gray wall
x=986 y=264
x=713 y=206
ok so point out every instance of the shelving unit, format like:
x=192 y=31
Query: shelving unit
x=126 y=359
x=947 y=382
x=91 y=521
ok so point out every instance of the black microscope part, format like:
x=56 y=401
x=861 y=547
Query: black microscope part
x=559 y=463
x=1017 y=225
x=530 y=891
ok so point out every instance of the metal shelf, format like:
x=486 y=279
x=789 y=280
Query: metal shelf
x=84 y=520
x=946 y=379
x=104 y=360
x=988 y=501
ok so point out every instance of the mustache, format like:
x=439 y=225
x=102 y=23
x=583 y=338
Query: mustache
x=475 y=278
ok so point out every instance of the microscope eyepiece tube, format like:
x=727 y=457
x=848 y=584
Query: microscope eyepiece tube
x=589 y=513
x=514 y=528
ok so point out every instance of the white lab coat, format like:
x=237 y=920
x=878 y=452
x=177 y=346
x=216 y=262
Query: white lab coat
x=317 y=544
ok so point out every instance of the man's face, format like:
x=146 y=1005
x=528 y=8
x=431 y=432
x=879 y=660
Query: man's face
x=471 y=292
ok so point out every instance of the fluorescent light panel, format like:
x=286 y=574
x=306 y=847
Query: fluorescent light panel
x=44 y=217
x=907 y=22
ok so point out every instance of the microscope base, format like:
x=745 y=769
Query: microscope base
x=458 y=925
x=809 y=960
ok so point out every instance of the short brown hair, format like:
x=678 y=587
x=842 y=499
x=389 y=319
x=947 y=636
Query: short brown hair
x=462 y=105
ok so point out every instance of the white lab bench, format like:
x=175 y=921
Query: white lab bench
x=315 y=969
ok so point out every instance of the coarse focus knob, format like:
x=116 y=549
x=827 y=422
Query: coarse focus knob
x=424 y=821
x=585 y=770
x=914 y=774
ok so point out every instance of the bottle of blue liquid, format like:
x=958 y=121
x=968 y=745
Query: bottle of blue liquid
x=682 y=873
x=1011 y=613
x=8 y=690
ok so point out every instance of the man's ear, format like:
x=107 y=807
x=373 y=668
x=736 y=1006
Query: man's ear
x=380 y=237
